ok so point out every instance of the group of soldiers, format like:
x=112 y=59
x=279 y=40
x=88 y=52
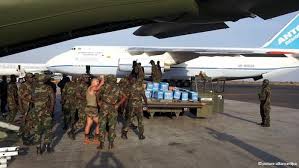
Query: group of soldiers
x=156 y=71
x=34 y=99
x=114 y=100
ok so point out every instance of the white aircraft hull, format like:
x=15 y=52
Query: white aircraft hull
x=116 y=61
x=19 y=69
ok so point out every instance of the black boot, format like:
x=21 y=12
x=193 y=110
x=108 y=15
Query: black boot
x=71 y=135
x=141 y=137
x=26 y=141
x=39 y=150
x=101 y=146
x=124 y=135
x=65 y=127
x=111 y=145
x=49 y=148
x=133 y=127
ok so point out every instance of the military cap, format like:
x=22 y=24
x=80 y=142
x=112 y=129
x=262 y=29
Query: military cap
x=85 y=76
x=266 y=82
x=28 y=75
x=41 y=77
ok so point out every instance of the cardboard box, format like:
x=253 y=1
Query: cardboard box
x=168 y=95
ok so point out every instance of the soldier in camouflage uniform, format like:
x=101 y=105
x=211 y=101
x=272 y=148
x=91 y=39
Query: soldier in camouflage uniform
x=135 y=105
x=43 y=98
x=69 y=101
x=110 y=97
x=140 y=72
x=134 y=71
x=81 y=89
x=265 y=103
x=65 y=79
x=159 y=69
x=25 y=106
x=155 y=73
x=125 y=85
x=12 y=98
x=3 y=95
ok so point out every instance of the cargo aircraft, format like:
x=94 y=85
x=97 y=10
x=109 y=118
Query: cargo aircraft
x=276 y=57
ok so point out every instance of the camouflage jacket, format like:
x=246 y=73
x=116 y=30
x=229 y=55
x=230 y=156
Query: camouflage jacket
x=12 y=94
x=265 y=95
x=25 y=93
x=69 y=93
x=43 y=98
x=154 y=70
x=81 y=93
x=136 y=91
x=140 y=72
x=109 y=95
x=124 y=85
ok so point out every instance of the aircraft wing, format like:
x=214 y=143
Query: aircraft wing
x=177 y=55
x=210 y=51
x=166 y=30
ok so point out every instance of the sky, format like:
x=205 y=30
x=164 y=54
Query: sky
x=245 y=33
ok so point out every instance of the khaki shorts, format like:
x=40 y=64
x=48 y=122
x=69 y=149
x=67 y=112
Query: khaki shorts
x=91 y=111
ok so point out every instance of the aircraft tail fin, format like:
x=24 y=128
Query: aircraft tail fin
x=286 y=38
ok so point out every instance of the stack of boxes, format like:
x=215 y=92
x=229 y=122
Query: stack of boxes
x=160 y=91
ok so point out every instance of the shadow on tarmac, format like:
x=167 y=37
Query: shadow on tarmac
x=232 y=116
x=263 y=155
x=104 y=160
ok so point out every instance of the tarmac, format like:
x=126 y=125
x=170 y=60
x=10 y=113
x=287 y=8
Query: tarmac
x=285 y=96
x=228 y=139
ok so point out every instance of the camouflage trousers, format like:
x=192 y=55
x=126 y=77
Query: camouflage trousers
x=108 y=121
x=265 y=113
x=70 y=117
x=134 y=109
x=43 y=128
x=69 y=114
x=28 y=124
x=81 y=115
x=65 y=112
x=13 y=110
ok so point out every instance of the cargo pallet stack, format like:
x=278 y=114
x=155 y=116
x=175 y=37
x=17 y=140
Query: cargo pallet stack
x=162 y=92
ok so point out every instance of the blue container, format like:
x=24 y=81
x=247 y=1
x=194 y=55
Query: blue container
x=148 y=94
x=168 y=95
x=163 y=86
x=184 y=96
x=193 y=96
x=177 y=95
x=149 y=86
x=155 y=86
x=158 y=95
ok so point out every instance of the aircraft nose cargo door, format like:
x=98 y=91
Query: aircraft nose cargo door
x=125 y=64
